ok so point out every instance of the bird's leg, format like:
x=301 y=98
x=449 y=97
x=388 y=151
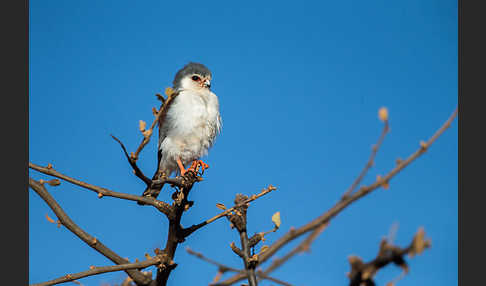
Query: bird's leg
x=181 y=167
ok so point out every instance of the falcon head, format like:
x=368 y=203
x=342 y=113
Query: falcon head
x=193 y=76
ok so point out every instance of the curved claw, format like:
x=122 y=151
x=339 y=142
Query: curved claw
x=204 y=166
x=196 y=165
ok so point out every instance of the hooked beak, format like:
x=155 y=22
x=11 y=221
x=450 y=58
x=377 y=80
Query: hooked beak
x=207 y=83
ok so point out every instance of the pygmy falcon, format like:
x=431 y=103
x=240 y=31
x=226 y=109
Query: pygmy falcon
x=190 y=125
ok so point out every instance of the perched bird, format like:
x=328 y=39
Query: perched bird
x=190 y=125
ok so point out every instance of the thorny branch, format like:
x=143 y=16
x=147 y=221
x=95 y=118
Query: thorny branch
x=39 y=188
x=345 y=202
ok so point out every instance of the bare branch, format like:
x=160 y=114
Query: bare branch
x=191 y=229
x=223 y=268
x=370 y=162
x=161 y=206
x=303 y=246
x=341 y=205
x=238 y=220
x=362 y=273
x=99 y=270
x=262 y=275
x=175 y=234
x=136 y=275
x=133 y=163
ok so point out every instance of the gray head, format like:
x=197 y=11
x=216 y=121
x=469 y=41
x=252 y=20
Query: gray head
x=193 y=76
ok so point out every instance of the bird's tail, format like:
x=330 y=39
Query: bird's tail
x=149 y=192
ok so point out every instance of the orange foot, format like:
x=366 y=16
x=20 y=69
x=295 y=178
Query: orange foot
x=195 y=165
x=200 y=163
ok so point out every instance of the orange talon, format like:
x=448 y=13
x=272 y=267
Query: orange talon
x=195 y=165
x=203 y=165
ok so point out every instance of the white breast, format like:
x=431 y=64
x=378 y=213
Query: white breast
x=189 y=130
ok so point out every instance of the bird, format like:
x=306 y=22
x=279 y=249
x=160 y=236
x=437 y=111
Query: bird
x=191 y=124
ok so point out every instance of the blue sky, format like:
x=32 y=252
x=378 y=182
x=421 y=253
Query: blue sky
x=299 y=83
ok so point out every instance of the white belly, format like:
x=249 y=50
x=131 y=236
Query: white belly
x=191 y=125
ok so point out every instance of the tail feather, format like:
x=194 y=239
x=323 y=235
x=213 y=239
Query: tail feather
x=148 y=192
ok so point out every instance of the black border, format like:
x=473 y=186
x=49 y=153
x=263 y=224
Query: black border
x=471 y=191
x=15 y=116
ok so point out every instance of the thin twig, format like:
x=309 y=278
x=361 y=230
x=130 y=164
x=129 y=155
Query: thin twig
x=223 y=268
x=158 y=119
x=161 y=206
x=39 y=188
x=191 y=229
x=273 y=279
x=370 y=162
x=100 y=270
x=133 y=163
x=303 y=246
x=341 y=205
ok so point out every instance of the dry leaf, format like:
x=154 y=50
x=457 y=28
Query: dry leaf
x=169 y=91
x=54 y=182
x=383 y=114
x=419 y=243
x=91 y=267
x=276 y=219
x=154 y=111
x=49 y=219
x=100 y=195
x=147 y=133
x=49 y=166
x=220 y=206
x=141 y=125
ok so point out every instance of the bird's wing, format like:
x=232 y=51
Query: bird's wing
x=163 y=130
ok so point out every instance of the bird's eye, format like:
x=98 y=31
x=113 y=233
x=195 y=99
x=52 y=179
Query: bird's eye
x=195 y=78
